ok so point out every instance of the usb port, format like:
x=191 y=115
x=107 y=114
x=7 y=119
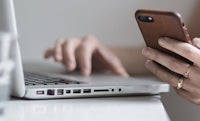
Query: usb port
x=87 y=91
x=40 y=92
x=76 y=91
x=50 y=92
x=60 y=92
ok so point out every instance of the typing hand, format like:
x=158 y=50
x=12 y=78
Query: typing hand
x=87 y=54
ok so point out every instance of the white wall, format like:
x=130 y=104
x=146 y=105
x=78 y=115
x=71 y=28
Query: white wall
x=40 y=22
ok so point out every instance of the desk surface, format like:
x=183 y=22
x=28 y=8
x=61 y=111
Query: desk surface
x=87 y=109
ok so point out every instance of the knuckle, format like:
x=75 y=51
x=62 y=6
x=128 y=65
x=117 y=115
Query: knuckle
x=190 y=52
x=90 y=39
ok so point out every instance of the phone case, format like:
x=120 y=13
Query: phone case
x=162 y=24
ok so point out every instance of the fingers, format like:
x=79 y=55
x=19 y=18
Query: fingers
x=189 y=96
x=161 y=73
x=85 y=52
x=58 y=50
x=113 y=62
x=191 y=91
x=184 y=94
x=181 y=48
x=79 y=52
x=166 y=75
x=174 y=64
x=69 y=47
x=194 y=75
x=168 y=61
x=191 y=87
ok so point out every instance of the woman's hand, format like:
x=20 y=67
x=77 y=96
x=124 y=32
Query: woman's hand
x=187 y=85
x=87 y=54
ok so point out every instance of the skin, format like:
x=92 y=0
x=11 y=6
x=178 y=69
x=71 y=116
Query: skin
x=191 y=86
x=88 y=55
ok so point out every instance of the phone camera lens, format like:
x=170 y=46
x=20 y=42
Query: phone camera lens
x=142 y=18
x=145 y=18
x=150 y=18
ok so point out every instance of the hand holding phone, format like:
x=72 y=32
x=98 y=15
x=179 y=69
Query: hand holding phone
x=156 y=24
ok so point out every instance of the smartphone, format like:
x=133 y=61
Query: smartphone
x=155 y=24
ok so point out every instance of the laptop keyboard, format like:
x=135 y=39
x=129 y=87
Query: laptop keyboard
x=32 y=79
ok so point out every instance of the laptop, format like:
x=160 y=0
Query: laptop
x=43 y=81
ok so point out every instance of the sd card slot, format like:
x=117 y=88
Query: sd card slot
x=101 y=90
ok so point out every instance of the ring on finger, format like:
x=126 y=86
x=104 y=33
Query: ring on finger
x=180 y=83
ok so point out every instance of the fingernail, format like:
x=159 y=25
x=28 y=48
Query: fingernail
x=145 y=52
x=161 y=41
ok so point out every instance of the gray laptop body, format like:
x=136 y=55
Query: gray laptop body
x=44 y=80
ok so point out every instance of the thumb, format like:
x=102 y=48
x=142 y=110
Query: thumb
x=114 y=64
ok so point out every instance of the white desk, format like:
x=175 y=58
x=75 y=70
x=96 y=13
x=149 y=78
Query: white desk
x=87 y=109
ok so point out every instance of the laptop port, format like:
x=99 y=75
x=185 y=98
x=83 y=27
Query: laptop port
x=76 y=91
x=68 y=91
x=50 y=92
x=60 y=92
x=40 y=92
x=101 y=90
x=87 y=91
x=120 y=89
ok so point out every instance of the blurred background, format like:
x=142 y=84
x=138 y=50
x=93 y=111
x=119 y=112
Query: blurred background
x=40 y=22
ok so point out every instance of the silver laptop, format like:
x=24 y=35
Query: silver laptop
x=52 y=81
